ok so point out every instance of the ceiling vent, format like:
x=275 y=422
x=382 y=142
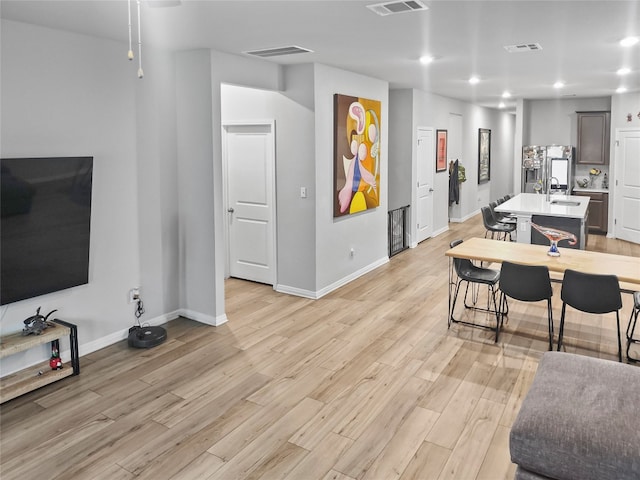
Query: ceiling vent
x=164 y=3
x=523 y=47
x=275 y=52
x=390 y=8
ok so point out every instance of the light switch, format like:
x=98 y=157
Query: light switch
x=303 y=192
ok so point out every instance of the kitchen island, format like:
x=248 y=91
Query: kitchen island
x=564 y=212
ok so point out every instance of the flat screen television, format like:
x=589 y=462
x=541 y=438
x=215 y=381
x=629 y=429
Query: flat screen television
x=45 y=225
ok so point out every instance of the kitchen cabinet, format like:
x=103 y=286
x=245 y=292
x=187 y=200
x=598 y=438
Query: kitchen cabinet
x=593 y=138
x=16 y=384
x=598 y=210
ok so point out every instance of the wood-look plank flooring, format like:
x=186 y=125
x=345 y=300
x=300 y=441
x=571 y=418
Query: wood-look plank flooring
x=366 y=383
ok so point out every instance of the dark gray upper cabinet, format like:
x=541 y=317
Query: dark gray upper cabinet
x=593 y=138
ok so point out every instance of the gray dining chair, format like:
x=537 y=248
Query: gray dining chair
x=590 y=293
x=526 y=283
x=467 y=272
x=631 y=327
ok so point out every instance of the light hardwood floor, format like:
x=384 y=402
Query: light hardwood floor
x=365 y=383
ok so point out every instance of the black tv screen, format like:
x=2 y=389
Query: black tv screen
x=45 y=225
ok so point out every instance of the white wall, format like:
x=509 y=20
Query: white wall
x=195 y=151
x=621 y=106
x=67 y=94
x=313 y=247
x=410 y=109
x=549 y=122
x=365 y=232
x=401 y=151
x=157 y=173
x=199 y=75
x=295 y=168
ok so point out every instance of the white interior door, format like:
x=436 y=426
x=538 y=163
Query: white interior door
x=426 y=168
x=627 y=193
x=250 y=185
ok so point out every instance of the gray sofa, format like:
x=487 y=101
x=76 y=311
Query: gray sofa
x=580 y=420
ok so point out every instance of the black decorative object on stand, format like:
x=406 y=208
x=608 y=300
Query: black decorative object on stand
x=36 y=323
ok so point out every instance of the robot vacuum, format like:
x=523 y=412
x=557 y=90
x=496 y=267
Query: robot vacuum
x=146 y=337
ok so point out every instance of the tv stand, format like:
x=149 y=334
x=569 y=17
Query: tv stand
x=24 y=381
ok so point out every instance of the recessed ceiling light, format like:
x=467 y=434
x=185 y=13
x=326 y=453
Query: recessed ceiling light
x=506 y=94
x=558 y=85
x=621 y=89
x=426 y=59
x=473 y=80
x=629 y=41
x=501 y=105
x=624 y=71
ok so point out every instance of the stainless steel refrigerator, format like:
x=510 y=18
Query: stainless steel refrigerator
x=546 y=167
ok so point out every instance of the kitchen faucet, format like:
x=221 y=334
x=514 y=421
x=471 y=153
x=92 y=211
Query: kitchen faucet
x=551 y=179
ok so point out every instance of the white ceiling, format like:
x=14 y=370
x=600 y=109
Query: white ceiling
x=579 y=39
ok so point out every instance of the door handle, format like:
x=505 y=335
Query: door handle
x=431 y=189
x=230 y=210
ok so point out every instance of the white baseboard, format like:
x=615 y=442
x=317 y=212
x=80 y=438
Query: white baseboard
x=465 y=218
x=334 y=286
x=102 y=342
x=441 y=231
x=115 y=337
x=433 y=235
x=298 y=292
x=203 y=318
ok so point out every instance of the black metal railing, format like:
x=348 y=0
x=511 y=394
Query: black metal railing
x=397 y=230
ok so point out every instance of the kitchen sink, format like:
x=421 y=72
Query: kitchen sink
x=565 y=203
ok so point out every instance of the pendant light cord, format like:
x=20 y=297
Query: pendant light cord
x=140 y=72
x=130 y=52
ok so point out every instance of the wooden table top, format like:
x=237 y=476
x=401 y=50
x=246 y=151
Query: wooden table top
x=626 y=268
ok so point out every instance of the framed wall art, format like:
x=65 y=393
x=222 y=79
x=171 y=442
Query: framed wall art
x=356 y=162
x=441 y=150
x=484 y=155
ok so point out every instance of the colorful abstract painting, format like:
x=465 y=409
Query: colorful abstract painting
x=356 y=146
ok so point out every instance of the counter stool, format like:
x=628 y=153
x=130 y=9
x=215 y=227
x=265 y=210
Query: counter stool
x=501 y=217
x=631 y=328
x=494 y=227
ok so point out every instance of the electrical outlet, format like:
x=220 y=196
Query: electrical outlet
x=134 y=294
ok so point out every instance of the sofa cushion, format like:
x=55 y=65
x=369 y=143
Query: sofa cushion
x=580 y=420
x=522 y=474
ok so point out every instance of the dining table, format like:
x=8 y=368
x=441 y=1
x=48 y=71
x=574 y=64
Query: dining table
x=487 y=251
x=626 y=268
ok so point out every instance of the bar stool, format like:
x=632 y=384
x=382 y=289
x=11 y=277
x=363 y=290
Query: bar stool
x=631 y=328
x=501 y=217
x=494 y=227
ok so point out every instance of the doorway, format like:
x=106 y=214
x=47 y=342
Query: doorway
x=424 y=186
x=627 y=186
x=250 y=208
